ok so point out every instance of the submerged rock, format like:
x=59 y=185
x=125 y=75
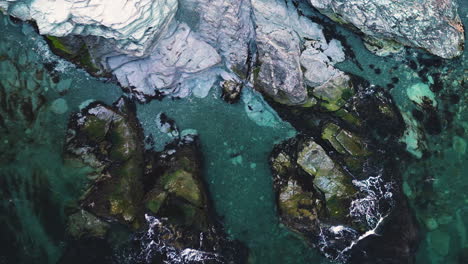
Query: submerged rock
x=433 y=25
x=132 y=26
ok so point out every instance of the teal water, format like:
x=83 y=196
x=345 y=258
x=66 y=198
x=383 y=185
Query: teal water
x=35 y=186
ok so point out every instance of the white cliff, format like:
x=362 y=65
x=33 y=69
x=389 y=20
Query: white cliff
x=133 y=26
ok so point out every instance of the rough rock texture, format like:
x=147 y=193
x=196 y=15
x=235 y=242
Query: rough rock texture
x=160 y=197
x=133 y=26
x=178 y=55
x=336 y=184
x=108 y=139
x=226 y=25
x=433 y=25
x=293 y=54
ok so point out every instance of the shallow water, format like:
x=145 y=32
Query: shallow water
x=36 y=187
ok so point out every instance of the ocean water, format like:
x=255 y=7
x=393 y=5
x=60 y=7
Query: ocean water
x=36 y=187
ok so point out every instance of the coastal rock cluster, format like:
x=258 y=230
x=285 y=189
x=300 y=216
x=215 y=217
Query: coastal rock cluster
x=386 y=23
x=159 y=197
x=336 y=183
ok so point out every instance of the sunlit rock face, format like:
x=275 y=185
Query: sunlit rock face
x=227 y=25
x=133 y=26
x=293 y=54
x=178 y=56
x=433 y=25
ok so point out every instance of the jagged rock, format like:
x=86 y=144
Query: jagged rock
x=344 y=141
x=76 y=50
x=293 y=54
x=130 y=185
x=335 y=92
x=305 y=174
x=108 y=139
x=433 y=25
x=225 y=25
x=132 y=26
x=178 y=55
x=299 y=205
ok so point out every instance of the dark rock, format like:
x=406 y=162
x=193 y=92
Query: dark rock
x=231 y=91
x=136 y=188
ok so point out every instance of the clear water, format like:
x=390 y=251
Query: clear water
x=35 y=186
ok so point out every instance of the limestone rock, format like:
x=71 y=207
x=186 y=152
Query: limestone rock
x=433 y=25
x=293 y=54
x=178 y=55
x=133 y=26
x=226 y=25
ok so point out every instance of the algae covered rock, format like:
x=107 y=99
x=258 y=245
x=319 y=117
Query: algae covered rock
x=134 y=188
x=336 y=183
x=345 y=142
x=108 y=139
x=231 y=91
x=310 y=187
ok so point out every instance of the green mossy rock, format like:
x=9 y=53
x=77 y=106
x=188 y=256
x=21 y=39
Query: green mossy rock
x=183 y=184
x=108 y=139
x=344 y=141
x=74 y=49
x=335 y=93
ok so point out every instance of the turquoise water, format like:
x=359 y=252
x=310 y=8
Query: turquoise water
x=36 y=187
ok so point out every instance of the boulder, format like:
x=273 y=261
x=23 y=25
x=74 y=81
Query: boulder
x=294 y=58
x=433 y=25
x=159 y=197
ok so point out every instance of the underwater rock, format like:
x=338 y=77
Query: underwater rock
x=83 y=224
x=421 y=95
x=132 y=26
x=130 y=185
x=433 y=25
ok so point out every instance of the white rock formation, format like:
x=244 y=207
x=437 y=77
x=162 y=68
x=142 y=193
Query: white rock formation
x=176 y=58
x=293 y=53
x=132 y=25
x=433 y=25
